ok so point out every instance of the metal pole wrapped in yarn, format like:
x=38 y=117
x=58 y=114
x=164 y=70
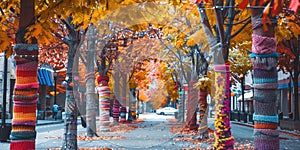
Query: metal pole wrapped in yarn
x=104 y=103
x=265 y=78
x=25 y=97
x=223 y=137
x=203 y=133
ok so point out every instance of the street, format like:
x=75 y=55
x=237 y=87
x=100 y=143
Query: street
x=151 y=133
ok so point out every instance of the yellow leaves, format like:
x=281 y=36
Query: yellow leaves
x=204 y=83
x=39 y=31
x=4 y=42
x=240 y=61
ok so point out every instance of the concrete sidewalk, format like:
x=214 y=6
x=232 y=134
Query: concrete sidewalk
x=40 y=122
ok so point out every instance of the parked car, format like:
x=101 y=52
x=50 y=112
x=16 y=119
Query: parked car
x=166 y=111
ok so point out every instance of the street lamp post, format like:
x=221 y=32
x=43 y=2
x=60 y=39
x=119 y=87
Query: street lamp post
x=55 y=77
x=243 y=114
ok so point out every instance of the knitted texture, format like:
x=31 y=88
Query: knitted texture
x=202 y=95
x=25 y=97
x=263 y=44
x=22 y=145
x=192 y=103
x=265 y=118
x=261 y=125
x=265 y=78
x=123 y=114
x=223 y=137
x=265 y=95
x=104 y=104
x=265 y=108
x=116 y=110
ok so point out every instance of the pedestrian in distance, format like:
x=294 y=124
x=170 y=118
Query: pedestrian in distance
x=55 y=111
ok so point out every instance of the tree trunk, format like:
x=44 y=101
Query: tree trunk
x=25 y=98
x=91 y=106
x=71 y=109
x=203 y=129
x=296 y=84
x=223 y=138
x=116 y=111
x=191 y=118
x=104 y=103
x=132 y=105
x=265 y=78
x=180 y=105
x=42 y=96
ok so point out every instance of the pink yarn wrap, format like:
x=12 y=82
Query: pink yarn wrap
x=263 y=44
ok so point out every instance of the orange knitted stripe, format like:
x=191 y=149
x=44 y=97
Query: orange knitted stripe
x=23 y=128
x=25 y=80
x=25 y=116
x=265 y=125
x=24 y=109
x=31 y=92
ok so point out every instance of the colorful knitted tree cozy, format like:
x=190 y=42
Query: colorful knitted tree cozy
x=116 y=111
x=202 y=95
x=264 y=57
x=123 y=114
x=223 y=137
x=192 y=102
x=104 y=103
x=25 y=97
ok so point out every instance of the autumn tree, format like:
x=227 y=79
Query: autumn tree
x=21 y=15
x=288 y=48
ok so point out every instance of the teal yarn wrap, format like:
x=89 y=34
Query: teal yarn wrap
x=264 y=118
x=22 y=135
x=274 y=54
x=264 y=80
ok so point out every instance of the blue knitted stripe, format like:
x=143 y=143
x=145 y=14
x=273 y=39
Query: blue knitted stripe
x=264 y=118
x=275 y=54
x=264 y=80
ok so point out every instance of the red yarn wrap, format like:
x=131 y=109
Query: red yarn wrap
x=103 y=80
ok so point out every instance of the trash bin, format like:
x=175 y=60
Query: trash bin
x=5 y=132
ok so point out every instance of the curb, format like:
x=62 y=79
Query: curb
x=48 y=123
x=289 y=133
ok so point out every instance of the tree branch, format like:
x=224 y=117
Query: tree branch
x=238 y=31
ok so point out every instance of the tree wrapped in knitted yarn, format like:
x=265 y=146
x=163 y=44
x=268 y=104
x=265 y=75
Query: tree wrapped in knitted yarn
x=104 y=102
x=25 y=96
x=264 y=57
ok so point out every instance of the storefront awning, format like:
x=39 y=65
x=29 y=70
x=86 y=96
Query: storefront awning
x=45 y=76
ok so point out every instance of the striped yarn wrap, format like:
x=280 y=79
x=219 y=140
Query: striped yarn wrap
x=265 y=78
x=192 y=103
x=222 y=134
x=261 y=125
x=123 y=114
x=116 y=110
x=104 y=104
x=202 y=95
x=25 y=97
